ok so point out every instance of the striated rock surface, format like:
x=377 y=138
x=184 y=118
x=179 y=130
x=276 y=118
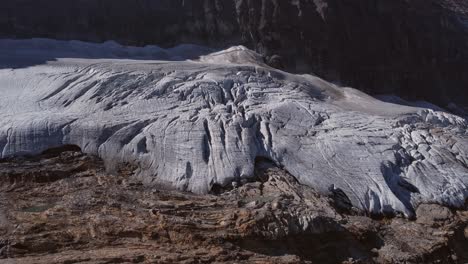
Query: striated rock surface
x=198 y=125
x=62 y=207
x=415 y=48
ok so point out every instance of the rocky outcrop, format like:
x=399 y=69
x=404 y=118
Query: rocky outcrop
x=417 y=49
x=87 y=215
x=195 y=125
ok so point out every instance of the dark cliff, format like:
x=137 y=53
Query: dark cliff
x=415 y=48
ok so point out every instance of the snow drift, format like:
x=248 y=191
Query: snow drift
x=192 y=124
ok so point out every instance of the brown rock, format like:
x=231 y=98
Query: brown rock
x=73 y=219
x=433 y=215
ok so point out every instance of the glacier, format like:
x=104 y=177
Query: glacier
x=192 y=118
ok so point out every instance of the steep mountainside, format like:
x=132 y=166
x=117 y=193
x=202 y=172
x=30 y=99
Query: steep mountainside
x=416 y=48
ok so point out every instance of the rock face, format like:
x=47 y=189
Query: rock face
x=417 y=49
x=87 y=215
x=198 y=125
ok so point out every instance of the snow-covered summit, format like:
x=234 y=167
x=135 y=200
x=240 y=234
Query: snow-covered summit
x=234 y=55
x=194 y=123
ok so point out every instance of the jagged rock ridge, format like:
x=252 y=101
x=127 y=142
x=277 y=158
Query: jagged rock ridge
x=198 y=124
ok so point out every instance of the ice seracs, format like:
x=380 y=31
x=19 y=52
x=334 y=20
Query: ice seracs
x=196 y=123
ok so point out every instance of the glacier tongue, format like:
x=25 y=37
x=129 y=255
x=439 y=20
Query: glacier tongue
x=193 y=124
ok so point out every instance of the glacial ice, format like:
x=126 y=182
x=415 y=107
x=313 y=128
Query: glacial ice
x=192 y=123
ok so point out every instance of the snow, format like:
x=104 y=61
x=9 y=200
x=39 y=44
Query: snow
x=20 y=53
x=191 y=123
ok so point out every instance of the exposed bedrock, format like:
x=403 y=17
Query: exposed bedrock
x=62 y=207
x=198 y=124
x=417 y=49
